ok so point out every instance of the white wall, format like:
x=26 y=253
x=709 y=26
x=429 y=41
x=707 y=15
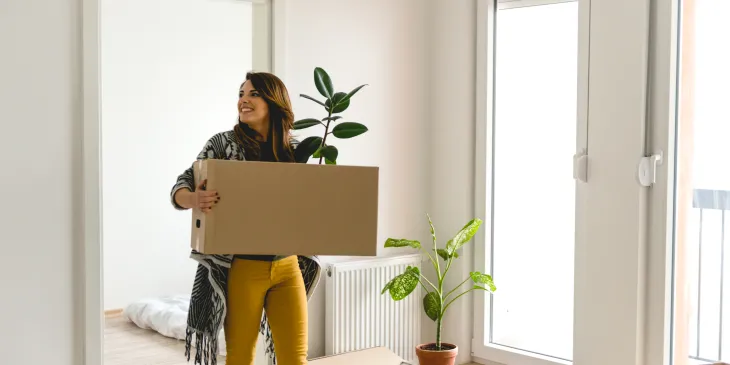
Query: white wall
x=40 y=114
x=382 y=43
x=387 y=43
x=452 y=100
x=170 y=78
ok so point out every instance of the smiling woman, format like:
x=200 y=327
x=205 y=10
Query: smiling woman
x=246 y=285
x=253 y=110
x=269 y=124
x=137 y=85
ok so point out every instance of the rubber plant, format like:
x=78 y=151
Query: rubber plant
x=437 y=300
x=334 y=103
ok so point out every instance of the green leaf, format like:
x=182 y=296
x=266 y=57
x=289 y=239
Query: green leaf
x=387 y=286
x=317 y=153
x=330 y=153
x=405 y=283
x=340 y=105
x=306 y=148
x=395 y=242
x=313 y=99
x=349 y=130
x=432 y=306
x=482 y=288
x=306 y=123
x=353 y=92
x=329 y=162
x=323 y=82
x=346 y=97
x=480 y=278
x=464 y=235
x=445 y=254
x=332 y=118
x=433 y=229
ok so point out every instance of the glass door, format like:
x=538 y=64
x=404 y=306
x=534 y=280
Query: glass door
x=535 y=105
x=701 y=191
x=652 y=259
x=525 y=189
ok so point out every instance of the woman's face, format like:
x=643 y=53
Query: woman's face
x=252 y=108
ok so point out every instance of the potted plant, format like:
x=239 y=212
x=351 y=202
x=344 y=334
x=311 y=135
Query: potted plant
x=437 y=301
x=335 y=103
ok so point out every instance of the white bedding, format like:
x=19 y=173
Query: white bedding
x=167 y=316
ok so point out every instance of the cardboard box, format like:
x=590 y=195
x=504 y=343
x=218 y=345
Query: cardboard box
x=287 y=209
x=376 y=355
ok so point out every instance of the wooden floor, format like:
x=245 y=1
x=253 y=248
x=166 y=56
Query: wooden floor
x=127 y=344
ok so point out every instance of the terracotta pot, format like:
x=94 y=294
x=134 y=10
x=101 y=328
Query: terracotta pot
x=427 y=355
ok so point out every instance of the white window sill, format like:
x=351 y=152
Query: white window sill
x=498 y=355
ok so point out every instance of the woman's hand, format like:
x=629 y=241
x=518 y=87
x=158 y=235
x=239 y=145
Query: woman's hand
x=200 y=198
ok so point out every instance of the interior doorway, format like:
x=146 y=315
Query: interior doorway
x=169 y=73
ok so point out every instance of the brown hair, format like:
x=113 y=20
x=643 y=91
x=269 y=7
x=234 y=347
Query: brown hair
x=281 y=118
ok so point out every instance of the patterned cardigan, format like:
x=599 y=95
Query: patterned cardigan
x=208 y=300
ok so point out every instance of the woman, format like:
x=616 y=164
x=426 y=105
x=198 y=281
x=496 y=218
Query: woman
x=233 y=290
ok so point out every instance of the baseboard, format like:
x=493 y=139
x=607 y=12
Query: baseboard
x=111 y=313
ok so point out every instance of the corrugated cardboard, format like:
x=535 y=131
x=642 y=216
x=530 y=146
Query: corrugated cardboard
x=287 y=209
x=372 y=356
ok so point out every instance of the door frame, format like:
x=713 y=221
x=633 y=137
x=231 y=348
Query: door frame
x=90 y=326
x=629 y=113
x=482 y=350
x=662 y=311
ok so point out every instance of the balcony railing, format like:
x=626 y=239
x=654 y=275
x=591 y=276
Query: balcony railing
x=707 y=276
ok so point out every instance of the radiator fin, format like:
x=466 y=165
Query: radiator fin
x=359 y=317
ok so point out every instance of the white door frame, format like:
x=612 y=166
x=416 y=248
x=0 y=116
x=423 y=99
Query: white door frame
x=482 y=350
x=91 y=325
x=660 y=307
x=623 y=269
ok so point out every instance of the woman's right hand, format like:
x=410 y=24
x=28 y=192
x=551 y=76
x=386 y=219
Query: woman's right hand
x=201 y=199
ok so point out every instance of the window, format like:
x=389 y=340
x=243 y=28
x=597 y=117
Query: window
x=529 y=248
x=700 y=185
x=650 y=253
x=533 y=201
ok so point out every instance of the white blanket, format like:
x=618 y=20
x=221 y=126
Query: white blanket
x=167 y=316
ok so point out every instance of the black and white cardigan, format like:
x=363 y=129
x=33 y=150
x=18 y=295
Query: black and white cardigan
x=208 y=300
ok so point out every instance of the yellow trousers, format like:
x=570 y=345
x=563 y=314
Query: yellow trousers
x=278 y=288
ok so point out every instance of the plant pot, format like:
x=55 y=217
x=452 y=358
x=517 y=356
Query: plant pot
x=428 y=355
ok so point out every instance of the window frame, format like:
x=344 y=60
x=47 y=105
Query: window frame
x=482 y=350
x=662 y=114
x=643 y=313
x=511 y=4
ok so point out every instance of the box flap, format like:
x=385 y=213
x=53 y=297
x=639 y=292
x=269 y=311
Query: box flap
x=376 y=355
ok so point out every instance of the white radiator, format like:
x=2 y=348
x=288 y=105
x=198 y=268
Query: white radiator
x=359 y=317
